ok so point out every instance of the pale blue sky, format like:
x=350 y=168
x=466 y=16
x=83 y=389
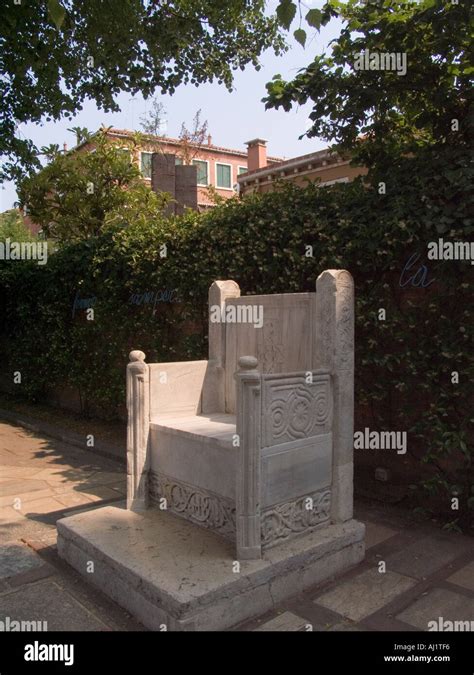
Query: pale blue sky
x=233 y=117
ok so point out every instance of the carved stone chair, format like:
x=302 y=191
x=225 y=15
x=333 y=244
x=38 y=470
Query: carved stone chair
x=255 y=443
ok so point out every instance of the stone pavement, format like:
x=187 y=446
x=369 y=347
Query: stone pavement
x=42 y=480
x=429 y=574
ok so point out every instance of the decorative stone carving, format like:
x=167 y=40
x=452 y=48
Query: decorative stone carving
x=195 y=504
x=325 y=318
x=270 y=353
x=285 y=520
x=295 y=409
x=283 y=344
x=345 y=321
x=248 y=466
x=285 y=426
x=335 y=320
x=335 y=307
x=138 y=406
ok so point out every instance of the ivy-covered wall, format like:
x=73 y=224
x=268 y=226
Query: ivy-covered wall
x=147 y=287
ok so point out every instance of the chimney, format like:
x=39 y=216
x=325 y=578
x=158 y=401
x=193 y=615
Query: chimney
x=64 y=147
x=209 y=140
x=256 y=154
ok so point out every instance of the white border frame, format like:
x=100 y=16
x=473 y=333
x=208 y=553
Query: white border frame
x=144 y=152
x=198 y=159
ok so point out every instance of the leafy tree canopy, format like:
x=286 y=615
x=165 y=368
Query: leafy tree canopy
x=80 y=192
x=396 y=114
x=55 y=54
x=13 y=227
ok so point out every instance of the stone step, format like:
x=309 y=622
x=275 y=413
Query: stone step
x=173 y=575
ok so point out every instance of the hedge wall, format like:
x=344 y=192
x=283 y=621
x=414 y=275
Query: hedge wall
x=144 y=299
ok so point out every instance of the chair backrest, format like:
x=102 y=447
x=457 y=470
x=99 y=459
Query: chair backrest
x=277 y=329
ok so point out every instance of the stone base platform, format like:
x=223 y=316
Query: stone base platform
x=173 y=575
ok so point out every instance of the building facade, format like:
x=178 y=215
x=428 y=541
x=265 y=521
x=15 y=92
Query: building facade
x=218 y=168
x=324 y=166
x=220 y=171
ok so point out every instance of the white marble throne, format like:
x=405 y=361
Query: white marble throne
x=256 y=442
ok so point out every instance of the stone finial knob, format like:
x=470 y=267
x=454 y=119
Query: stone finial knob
x=248 y=363
x=136 y=355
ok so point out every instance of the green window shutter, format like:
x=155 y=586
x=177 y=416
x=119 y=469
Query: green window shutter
x=242 y=169
x=223 y=176
x=145 y=164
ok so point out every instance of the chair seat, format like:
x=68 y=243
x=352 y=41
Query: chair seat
x=218 y=426
x=195 y=450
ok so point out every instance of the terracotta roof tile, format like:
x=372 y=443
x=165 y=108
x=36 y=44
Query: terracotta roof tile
x=176 y=141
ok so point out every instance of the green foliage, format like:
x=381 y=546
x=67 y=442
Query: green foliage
x=403 y=364
x=285 y=12
x=55 y=55
x=79 y=193
x=413 y=132
x=13 y=227
x=396 y=114
x=56 y=12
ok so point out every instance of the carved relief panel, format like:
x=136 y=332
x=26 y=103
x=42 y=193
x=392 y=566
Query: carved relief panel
x=279 y=335
x=295 y=409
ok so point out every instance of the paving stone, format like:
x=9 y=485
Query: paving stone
x=63 y=475
x=73 y=498
x=365 y=594
x=68 y=487
x=319 y=617
x=438 y=603
x=47 y=601
x=376 y=534
x=284 y=622
x=423 y=557
x=41 y=506
x=9 y=515
x=99 y=493
x=16 y=558
x=30 y=576
x=464 y=577
x=14 y=487
x=25 y=497
x=20 y=471
x=104 y=478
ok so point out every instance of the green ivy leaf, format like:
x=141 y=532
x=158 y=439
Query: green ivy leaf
x=300 y=36
x=57 y=13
